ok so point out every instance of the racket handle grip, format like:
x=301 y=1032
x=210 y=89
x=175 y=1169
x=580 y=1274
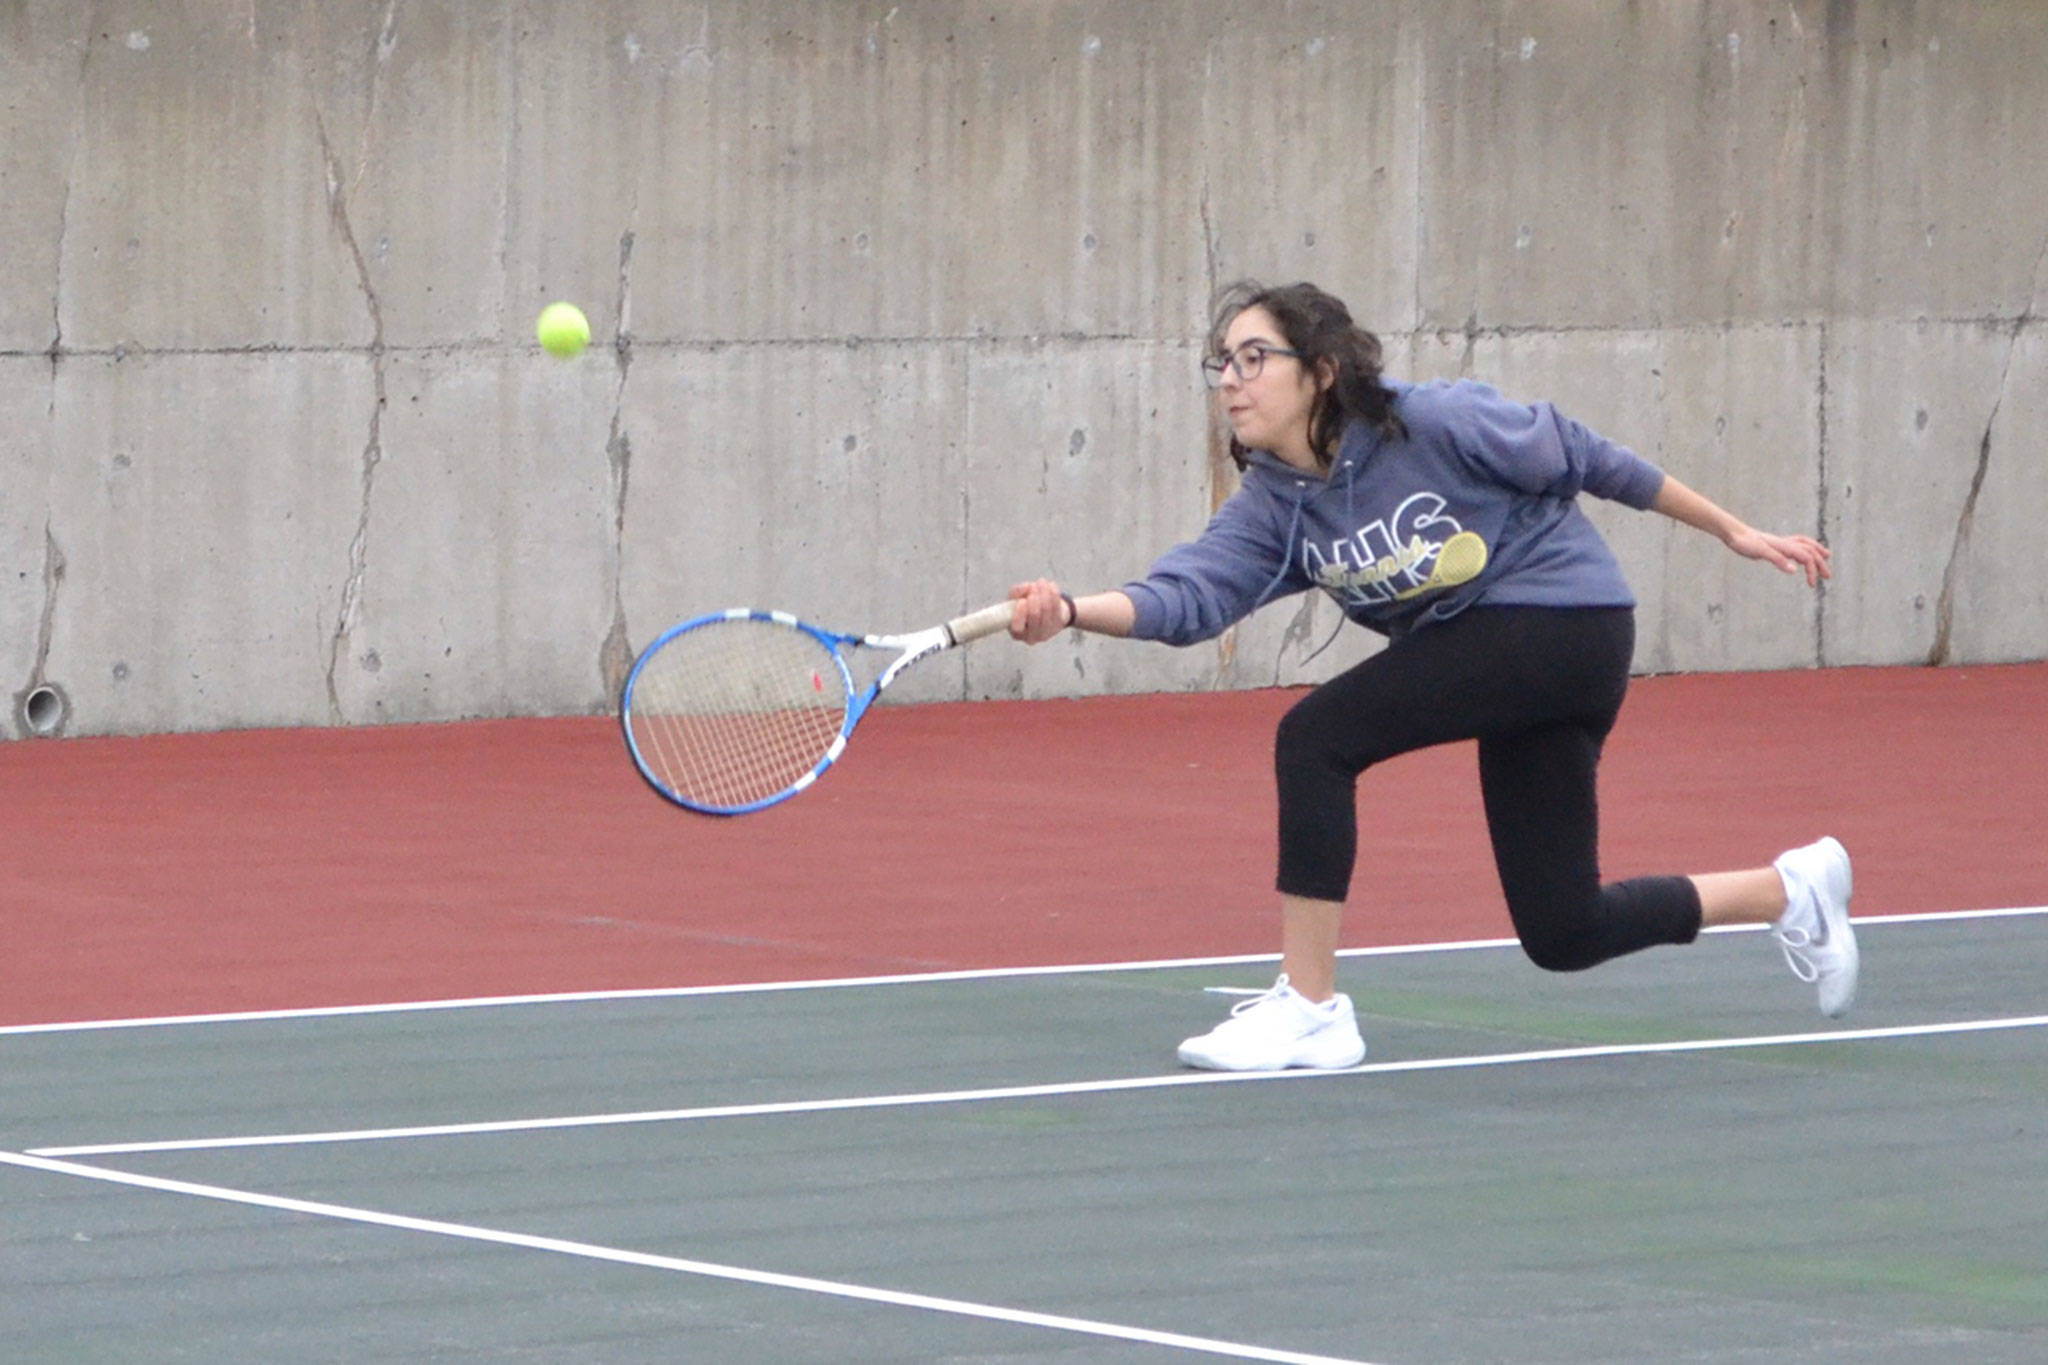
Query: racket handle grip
x=976 y=624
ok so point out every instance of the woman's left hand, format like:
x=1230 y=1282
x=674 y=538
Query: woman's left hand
x=1793 y=554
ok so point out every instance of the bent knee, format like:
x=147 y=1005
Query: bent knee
x=1308 y=739
x=1299 y=731
x=1563 y=950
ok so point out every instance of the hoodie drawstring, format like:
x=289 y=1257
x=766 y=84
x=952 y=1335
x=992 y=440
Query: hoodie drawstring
x=1286 y=556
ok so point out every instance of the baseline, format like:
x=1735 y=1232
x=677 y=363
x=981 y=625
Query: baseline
x=903 y=979
x=1053 y=1090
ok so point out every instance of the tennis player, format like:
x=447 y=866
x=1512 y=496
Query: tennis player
x=1354 y=485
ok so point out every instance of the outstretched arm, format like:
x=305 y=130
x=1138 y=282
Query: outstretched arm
x=1793 y=554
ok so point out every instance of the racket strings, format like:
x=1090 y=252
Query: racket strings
x=736 y=711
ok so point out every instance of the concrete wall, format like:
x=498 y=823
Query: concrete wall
x=897 y=303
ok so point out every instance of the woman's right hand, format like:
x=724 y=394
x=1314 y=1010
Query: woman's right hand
x=1038 y=612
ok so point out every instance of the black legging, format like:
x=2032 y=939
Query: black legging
x=1539 y=688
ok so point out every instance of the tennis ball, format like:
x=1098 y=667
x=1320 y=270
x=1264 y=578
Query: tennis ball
x=563 y=330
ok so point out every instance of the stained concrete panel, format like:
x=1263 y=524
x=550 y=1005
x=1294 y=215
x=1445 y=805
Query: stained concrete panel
x=1348 y=80
x=29 y=557
x=859 y=171
x=824 y=480
x=319 y=175
x=1731 y=412
x=1602 y=165
x=41 y=49
x=602 y=100
x=1937 y=115
x=1619 y=166
x=488 y=551
x=1083 y=463
x=204 y=507
x=413 y=109
x=2000 y=610
x=997 y=172
x=1908 y=406
x=199 y=212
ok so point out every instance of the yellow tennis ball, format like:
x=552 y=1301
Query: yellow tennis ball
x=563 y=330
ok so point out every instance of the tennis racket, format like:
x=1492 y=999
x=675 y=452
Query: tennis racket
x=1460 y=559
x=736 y=711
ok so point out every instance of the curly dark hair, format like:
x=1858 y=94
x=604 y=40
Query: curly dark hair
x=1319 y=326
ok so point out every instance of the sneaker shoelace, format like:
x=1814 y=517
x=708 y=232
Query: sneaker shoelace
x=1272 y=995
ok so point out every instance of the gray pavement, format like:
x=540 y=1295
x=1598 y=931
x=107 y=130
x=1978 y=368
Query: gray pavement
x=1881 y=1199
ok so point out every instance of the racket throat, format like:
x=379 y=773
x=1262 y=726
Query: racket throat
x=911 y=649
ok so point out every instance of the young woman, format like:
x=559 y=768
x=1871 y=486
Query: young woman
x=1355 y=486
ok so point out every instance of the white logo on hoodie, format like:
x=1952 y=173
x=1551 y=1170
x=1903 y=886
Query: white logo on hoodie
x=1378 y=562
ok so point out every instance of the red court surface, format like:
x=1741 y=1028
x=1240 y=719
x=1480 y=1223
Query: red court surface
x=287 y=869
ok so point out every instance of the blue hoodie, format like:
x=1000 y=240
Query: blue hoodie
x=1369 y=534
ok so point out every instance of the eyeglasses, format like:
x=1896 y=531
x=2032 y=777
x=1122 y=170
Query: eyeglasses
x=1249 y=359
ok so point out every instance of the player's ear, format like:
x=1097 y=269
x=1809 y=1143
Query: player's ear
x=1326 y=374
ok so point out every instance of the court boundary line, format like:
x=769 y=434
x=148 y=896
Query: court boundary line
x=1049 y=1090
x=676 y=1264
x=899 y=979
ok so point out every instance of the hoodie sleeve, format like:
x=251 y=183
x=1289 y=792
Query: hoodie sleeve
x=1197 y=590
x=1537 y=449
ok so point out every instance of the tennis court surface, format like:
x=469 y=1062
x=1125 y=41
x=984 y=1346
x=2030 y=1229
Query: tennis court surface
x=931 y=1137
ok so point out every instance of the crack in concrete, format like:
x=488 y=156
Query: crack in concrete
x=53 y=579
x=1944 y=613
x=373 y=446
x=1945 y=607
x=615 y=656
x=387 y=39
x=1220 y=470
x=63 y=231
x=2036 y=283
x=1820 y=609
x=1421 y=239
x=1208 y=238
x=64 y=206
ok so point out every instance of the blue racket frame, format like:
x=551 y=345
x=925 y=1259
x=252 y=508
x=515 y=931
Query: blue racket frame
x=911 y=648
x=857 y=704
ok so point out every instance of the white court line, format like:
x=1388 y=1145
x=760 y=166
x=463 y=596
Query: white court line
x=1056 y=1089
x=707 y=1269
x=738 y=988
x=902 y=979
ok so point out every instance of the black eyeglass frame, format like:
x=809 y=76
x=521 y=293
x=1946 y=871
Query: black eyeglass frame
x=1249 y=360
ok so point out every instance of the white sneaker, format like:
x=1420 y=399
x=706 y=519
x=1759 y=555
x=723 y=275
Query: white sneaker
x=1814 y=931
x=1277 y=1030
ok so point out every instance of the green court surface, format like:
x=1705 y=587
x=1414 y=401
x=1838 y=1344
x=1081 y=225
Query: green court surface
x=1672 y=1157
